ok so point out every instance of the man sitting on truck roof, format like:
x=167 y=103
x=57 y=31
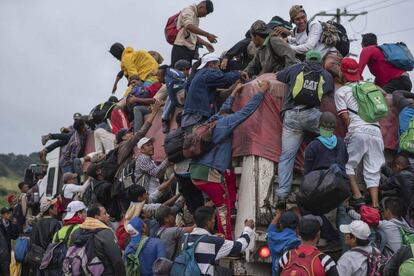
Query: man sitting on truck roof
x=74 y=147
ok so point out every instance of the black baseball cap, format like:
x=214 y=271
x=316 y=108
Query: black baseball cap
x=6 y=210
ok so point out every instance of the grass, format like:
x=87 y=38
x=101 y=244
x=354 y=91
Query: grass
x=7 y=184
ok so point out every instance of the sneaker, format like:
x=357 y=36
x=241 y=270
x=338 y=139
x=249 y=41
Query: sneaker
x=44 y=139
x=356 y=202
x=165 y=126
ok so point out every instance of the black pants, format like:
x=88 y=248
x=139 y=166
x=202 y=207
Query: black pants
x=181 y=52
x=62 y=140
x=401 y=83
x=5 y=269
x=193 y=196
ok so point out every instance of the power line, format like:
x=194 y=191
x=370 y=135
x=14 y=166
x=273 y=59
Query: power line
x=347 y=5
x=369 y=6
x=386 y=6
x=396 y=32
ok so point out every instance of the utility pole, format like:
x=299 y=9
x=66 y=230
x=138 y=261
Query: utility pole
x=339 y=14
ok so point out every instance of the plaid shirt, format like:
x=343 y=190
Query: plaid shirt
x=146 y=168
x=72 y=150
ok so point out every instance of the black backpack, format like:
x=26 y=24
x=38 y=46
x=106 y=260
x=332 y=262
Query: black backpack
x=18 y=214
x=308 y=88
x=110 y=165
x=173 y=145
x=89 y=196
x=101 y=112
x=323 y=190
x=343 y=44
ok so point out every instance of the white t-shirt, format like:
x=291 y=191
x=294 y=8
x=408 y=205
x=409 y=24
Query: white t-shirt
x=345 y=100
x=69 y=190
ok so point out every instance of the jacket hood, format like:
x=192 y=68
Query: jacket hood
x=93 y=224
x=281 y=241
x=116 y=50
x=128 y=50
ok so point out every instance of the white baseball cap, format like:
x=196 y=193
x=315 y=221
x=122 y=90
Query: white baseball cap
x=73 y=207
x=207 y=58
x=358 y=228
x=143 y=141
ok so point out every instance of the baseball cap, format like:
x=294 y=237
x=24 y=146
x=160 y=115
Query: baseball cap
x=327 y=121
x=143 y=141
x=295 y=10
x=260 y=27
x=77 y=116
x=358 y=228
x=314 y=56
x=289 y=220
x=349 y=69
x=73 y=207
x=121 y=134
x=46 y=203
x=182 y=64
x=208 y=58
x=67 y=176
x=370 y=215
x=6 y=210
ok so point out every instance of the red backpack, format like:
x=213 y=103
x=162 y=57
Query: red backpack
x=171 y=29
x=300 y=264
x=199 y=141
x=122 y=235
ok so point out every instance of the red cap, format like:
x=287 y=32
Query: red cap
x=369 y=215
x=349 y=68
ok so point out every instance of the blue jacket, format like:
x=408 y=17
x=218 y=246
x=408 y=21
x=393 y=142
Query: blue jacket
x=201 y=94
x=219 y=157
x=279 y=242
x=175 y=81
x=152 y=250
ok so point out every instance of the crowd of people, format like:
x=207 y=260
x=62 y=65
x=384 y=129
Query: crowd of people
x=119 y=212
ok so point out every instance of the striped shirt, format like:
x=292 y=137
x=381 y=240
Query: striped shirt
x=322 y=266
x=212 y=248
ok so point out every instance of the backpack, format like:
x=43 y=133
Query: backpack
x=407 y=267
x=308 y=88
x=199 y=141
x=56 y=253
x=122 y=235
x=81 y=259
x=407 y=236
x=407 y=138
x=300 y=264
x=376 y=261
x=185 y=264
x=398 y=55
x=101 y=112
x=21 y=248
x=110 y=165
x=133 y=266
x=323 y=190
x=173 y=145
x=127 y=175
x=18 y=214
x=372 y=105
x=89 y=196
x=171 y=30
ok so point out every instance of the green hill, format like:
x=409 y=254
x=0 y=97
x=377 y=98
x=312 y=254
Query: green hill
x=12 y=168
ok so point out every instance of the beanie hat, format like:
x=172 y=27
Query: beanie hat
x=327 y=121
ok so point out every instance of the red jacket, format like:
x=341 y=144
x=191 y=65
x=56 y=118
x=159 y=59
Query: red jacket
x=383 y=71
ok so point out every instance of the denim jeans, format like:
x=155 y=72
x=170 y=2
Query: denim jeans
x=139 y=114
x=295 y=123
x=342 y=218
x=168 y=109
x=62 y=140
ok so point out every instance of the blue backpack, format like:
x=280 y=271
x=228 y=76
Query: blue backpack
x=398 y=55
x=22 y=246
x=185 y=264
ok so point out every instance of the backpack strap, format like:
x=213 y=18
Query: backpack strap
x=141 y=245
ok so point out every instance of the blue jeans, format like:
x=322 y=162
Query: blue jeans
x=295 y=123
x=342 y=218
x=168 y=109
x=139 y=114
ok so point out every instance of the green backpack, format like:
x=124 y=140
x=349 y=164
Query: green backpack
x=407 y=138
x=372 y=106
x=407 y=236
x=407 y=267
x=133 y=267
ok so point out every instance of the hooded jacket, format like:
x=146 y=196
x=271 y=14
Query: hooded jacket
x=219 y=157
x=106 y=247
x=280 y=242
x=7 y=233
x=139 y=63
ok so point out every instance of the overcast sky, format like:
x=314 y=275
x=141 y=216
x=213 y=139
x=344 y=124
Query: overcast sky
x=54 y=58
